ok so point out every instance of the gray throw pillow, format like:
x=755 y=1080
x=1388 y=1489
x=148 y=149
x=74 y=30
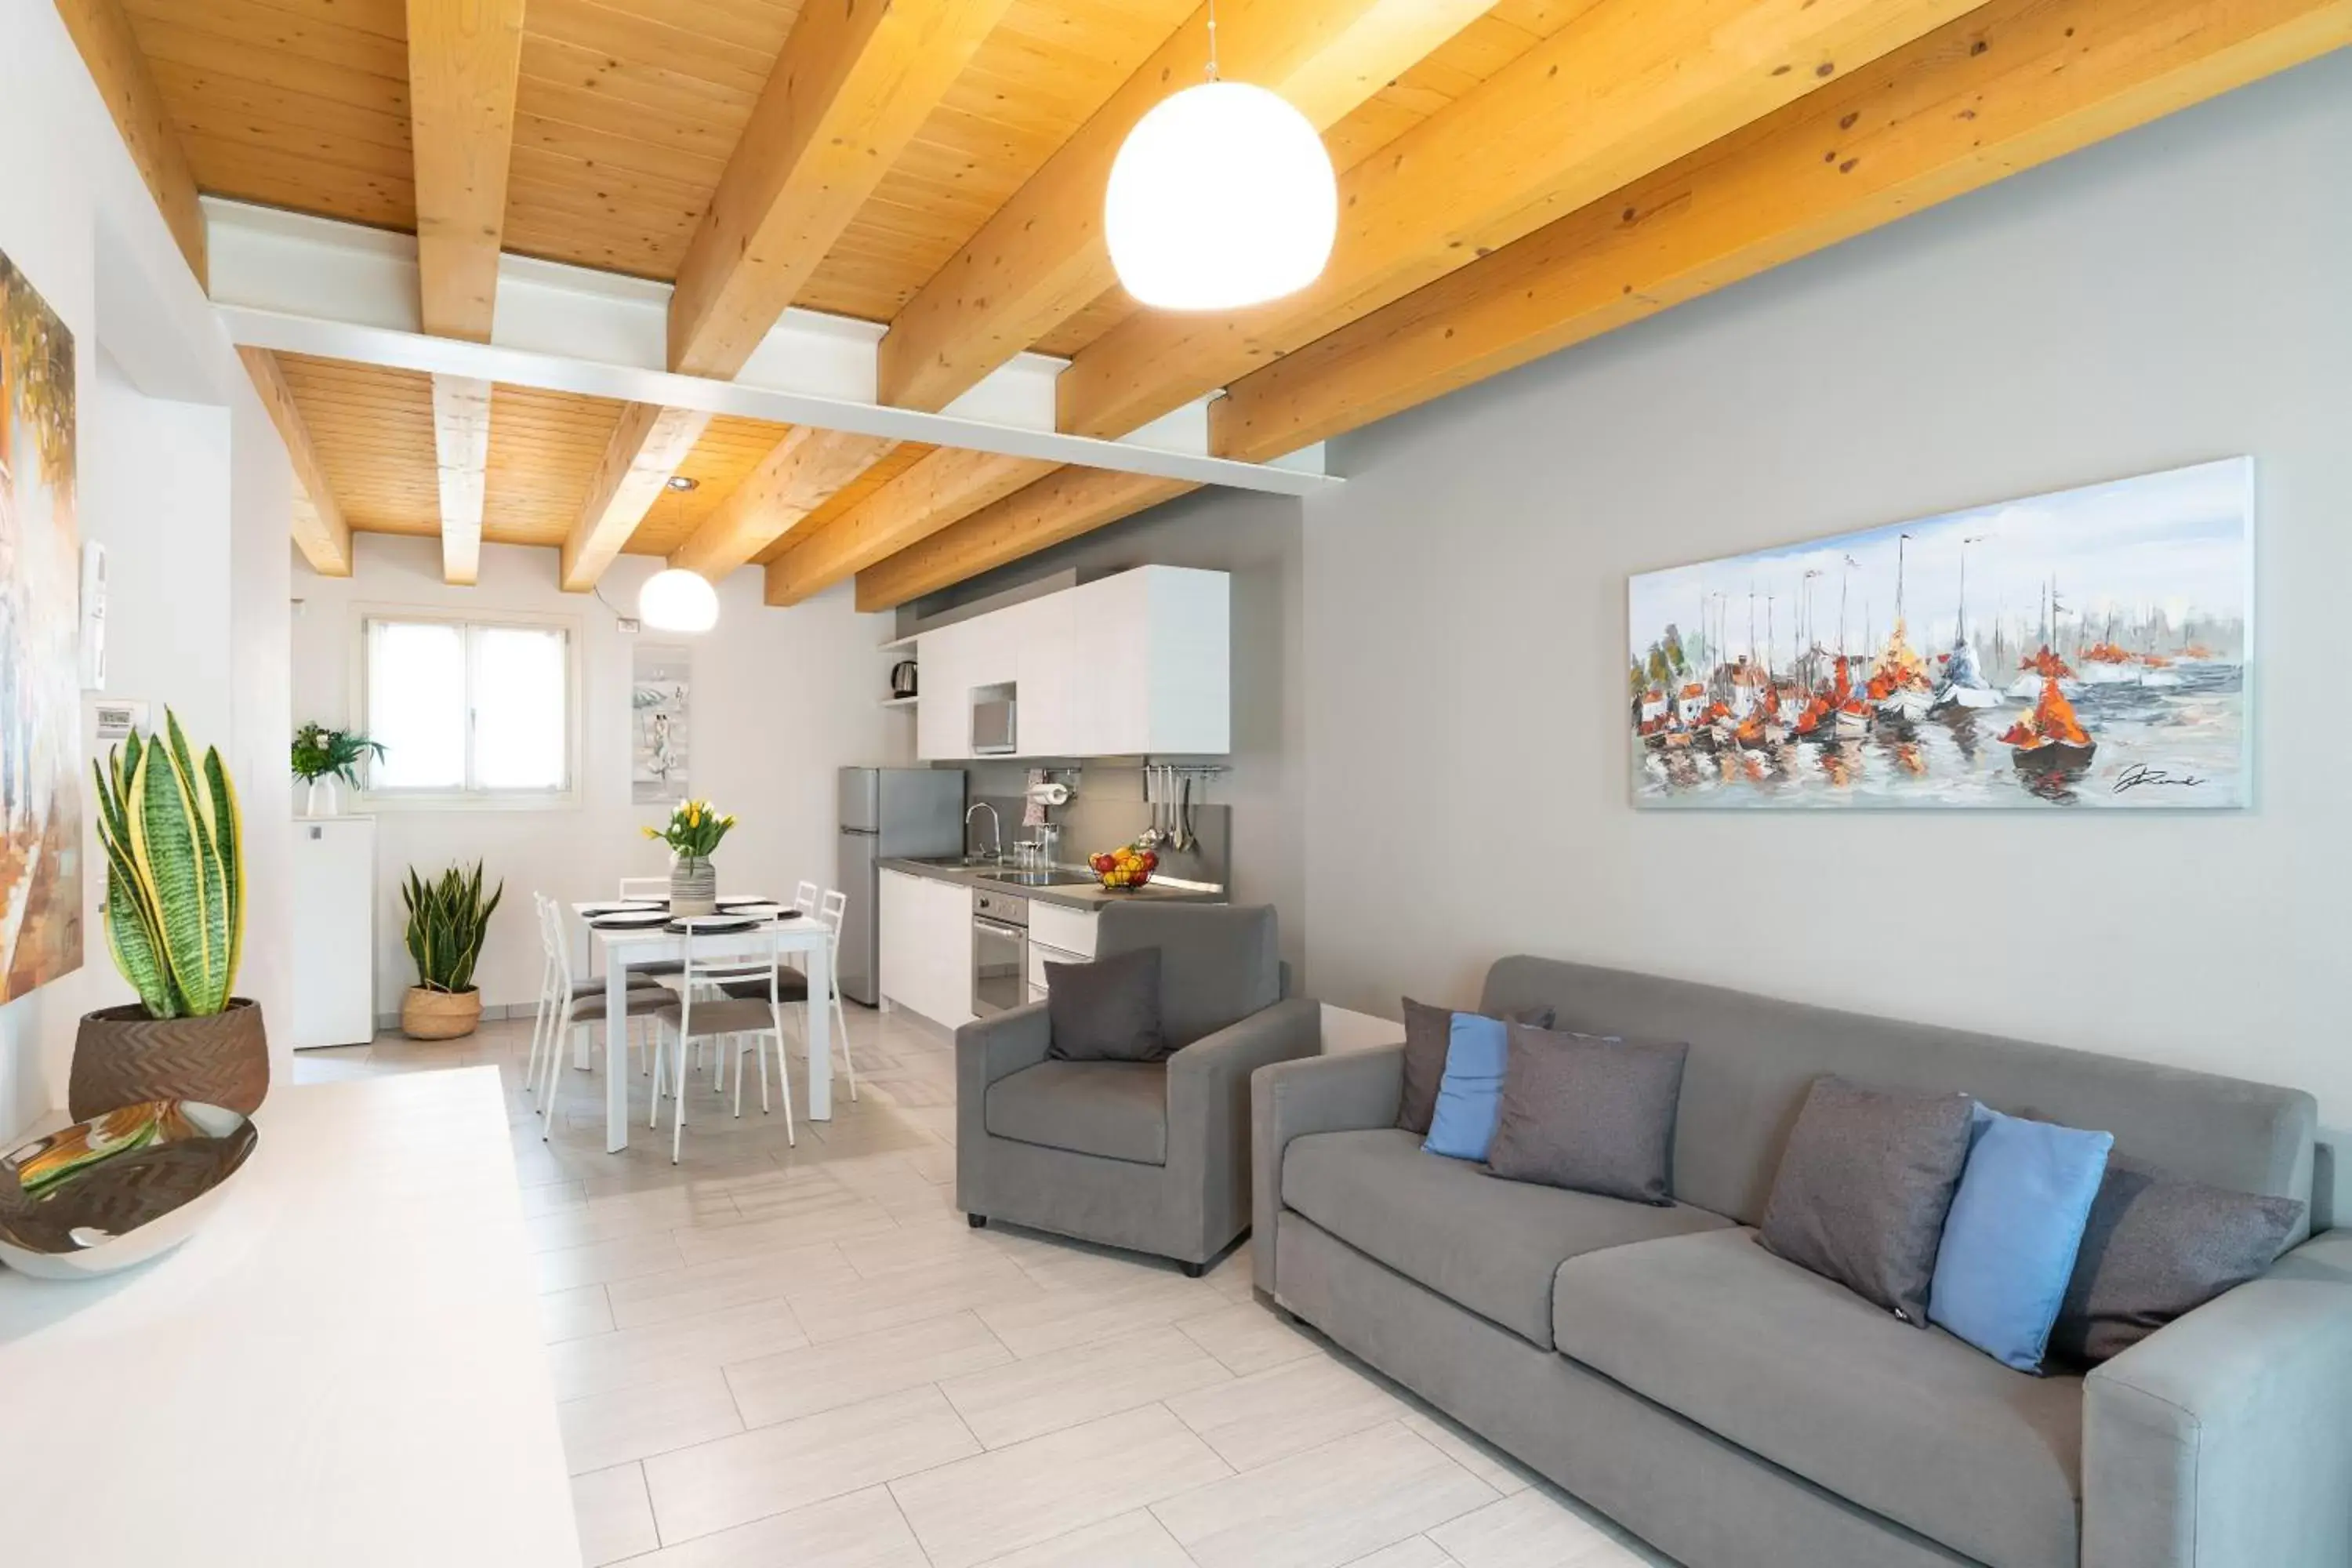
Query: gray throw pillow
x=1589 y=1114
x=2157 y=1247
x=1427 y=1032
x=1863 y=1187
x=1106 y=1011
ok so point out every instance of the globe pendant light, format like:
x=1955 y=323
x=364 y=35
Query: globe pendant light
x=678 y=601
x=1221 y=196
x=674 y=600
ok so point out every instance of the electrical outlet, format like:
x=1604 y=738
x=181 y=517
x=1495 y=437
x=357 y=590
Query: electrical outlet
x=628 y=625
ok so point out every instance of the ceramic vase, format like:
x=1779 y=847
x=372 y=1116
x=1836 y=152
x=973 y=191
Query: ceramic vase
x=693 y=885
x=122 y=1056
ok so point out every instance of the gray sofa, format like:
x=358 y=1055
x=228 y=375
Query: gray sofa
x=1738 y=1412
x=1147 y=1155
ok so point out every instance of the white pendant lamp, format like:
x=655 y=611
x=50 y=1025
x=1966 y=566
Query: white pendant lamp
x=674 y=600
x=678 y=601
x=1221 y=196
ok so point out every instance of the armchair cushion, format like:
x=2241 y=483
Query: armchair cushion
x=1106 y=1011
x=1115 y=1109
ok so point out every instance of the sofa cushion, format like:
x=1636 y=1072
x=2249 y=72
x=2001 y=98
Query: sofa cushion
x=1116 y=1110
x=1488 y=1246
x=1591 y=1115
x=1916 y=1427
x=1106 y=1010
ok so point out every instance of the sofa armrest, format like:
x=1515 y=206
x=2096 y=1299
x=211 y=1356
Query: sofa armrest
x=1208 y=1107
x=988 y=1050
x=2225 y=1439
x=1320 y=1094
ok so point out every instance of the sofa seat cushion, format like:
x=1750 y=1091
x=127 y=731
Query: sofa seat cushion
x=1486 y=1245
x=1908 y=1423
x=1116 y=1110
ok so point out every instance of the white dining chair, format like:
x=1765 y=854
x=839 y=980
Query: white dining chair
x=712 y=1005
x=569 y=1004
x=804 y=898
x=834 y=911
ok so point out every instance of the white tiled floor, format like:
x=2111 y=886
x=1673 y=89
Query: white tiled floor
x=771 y=1355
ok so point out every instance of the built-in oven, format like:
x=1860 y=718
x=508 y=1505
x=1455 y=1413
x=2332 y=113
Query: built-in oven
x=1000 y=952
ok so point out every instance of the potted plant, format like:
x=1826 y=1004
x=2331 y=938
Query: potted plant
x=694 y=831
x=322 y=757
x=174 y=918
x=447 y=919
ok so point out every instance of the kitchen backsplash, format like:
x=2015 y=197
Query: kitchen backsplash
x=1091 y=823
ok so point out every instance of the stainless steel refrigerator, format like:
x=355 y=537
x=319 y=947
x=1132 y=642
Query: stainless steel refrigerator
x=888 y=813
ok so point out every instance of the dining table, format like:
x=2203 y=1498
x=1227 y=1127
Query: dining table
x=615 y=950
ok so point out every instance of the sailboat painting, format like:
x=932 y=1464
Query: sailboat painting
x=2088 y=647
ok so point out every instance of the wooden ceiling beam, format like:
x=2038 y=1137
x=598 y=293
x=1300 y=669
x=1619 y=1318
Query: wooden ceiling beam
x=1061 y=506
x=644 y=450
x=1624 y=88
x=461 y=449
x=948 y=484
x=110 y=52
x=799 y=475
x=1040 y=259
x=856 y=79
x=318 y=525
x=2011 y=86
x=465 y=58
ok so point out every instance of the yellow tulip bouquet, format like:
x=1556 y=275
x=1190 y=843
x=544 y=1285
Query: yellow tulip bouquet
x=695 y=828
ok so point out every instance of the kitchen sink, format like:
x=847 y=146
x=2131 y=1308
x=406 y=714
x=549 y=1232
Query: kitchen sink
x=1039 y=879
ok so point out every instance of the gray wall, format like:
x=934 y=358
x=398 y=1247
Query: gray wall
x=2181 y=293
x=1258 y=539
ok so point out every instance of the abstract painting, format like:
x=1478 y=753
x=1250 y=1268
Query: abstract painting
x=660 y=680
x=2088 y=647
x=40 y=646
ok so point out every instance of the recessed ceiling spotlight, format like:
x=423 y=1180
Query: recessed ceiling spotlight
x=682 y=482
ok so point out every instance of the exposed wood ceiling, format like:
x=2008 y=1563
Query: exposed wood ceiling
x=1517 y=176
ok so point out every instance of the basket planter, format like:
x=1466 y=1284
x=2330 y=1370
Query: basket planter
x=693 y=886
x=122 y=1056
x=426 y=1015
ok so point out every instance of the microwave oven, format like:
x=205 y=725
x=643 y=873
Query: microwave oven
x=995 y=720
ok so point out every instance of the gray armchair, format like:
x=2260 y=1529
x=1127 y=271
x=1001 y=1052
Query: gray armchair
x=1153 y=1156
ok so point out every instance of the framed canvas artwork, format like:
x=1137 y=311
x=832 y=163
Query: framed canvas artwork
x=661 y=679
x=2088 y=647
x=40 y=631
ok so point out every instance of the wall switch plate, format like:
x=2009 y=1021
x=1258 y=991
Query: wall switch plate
x=628 y=625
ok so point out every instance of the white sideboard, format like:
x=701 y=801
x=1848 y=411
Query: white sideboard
x=1127 y=665
x=333 y=931
x=343 y=1366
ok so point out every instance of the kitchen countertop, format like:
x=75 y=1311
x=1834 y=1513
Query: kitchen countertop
x=1076 y=895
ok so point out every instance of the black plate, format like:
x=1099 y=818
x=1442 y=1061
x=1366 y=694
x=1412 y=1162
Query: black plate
x=710 y=925
x=642 y=920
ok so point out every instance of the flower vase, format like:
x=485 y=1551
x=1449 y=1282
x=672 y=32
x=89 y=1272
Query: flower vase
x=325 y=797
x=693 y=885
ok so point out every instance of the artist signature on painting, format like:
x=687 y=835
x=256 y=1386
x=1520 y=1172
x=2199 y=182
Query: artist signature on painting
x=2139 y=775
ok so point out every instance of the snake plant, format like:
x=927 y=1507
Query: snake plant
x=446 y=922
x=174 y=872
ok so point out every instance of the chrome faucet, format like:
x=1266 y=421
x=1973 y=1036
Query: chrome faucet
x=995 y=827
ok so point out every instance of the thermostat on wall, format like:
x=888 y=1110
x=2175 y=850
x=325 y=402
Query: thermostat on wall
x=117 y=720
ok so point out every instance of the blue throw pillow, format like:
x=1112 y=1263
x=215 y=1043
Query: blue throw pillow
x=2015 y=1226
x=1470 y=1095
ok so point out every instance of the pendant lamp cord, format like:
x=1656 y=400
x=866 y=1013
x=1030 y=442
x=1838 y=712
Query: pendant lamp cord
x=1212 y=40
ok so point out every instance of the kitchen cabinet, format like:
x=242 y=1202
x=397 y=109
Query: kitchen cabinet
x=942 y=711
x=926 y=940
x=1128 y=665
x=1057 y=934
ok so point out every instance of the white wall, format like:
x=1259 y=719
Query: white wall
x=780 y=700
x=179 y=476
x=2183 y=293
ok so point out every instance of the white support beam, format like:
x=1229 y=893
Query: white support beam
x=309 y=285
x=461 y=447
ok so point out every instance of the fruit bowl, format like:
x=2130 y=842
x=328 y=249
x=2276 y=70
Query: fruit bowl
x=1124 y=868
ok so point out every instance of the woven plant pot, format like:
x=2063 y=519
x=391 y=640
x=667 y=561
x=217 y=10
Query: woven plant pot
x=440 y=1014
x=122 y=1056
x=693 y=888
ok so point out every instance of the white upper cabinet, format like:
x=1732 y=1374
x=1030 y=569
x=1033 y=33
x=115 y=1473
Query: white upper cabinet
x=1137 y=663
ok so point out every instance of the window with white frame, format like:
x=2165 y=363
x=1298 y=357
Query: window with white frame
x=469 y=712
